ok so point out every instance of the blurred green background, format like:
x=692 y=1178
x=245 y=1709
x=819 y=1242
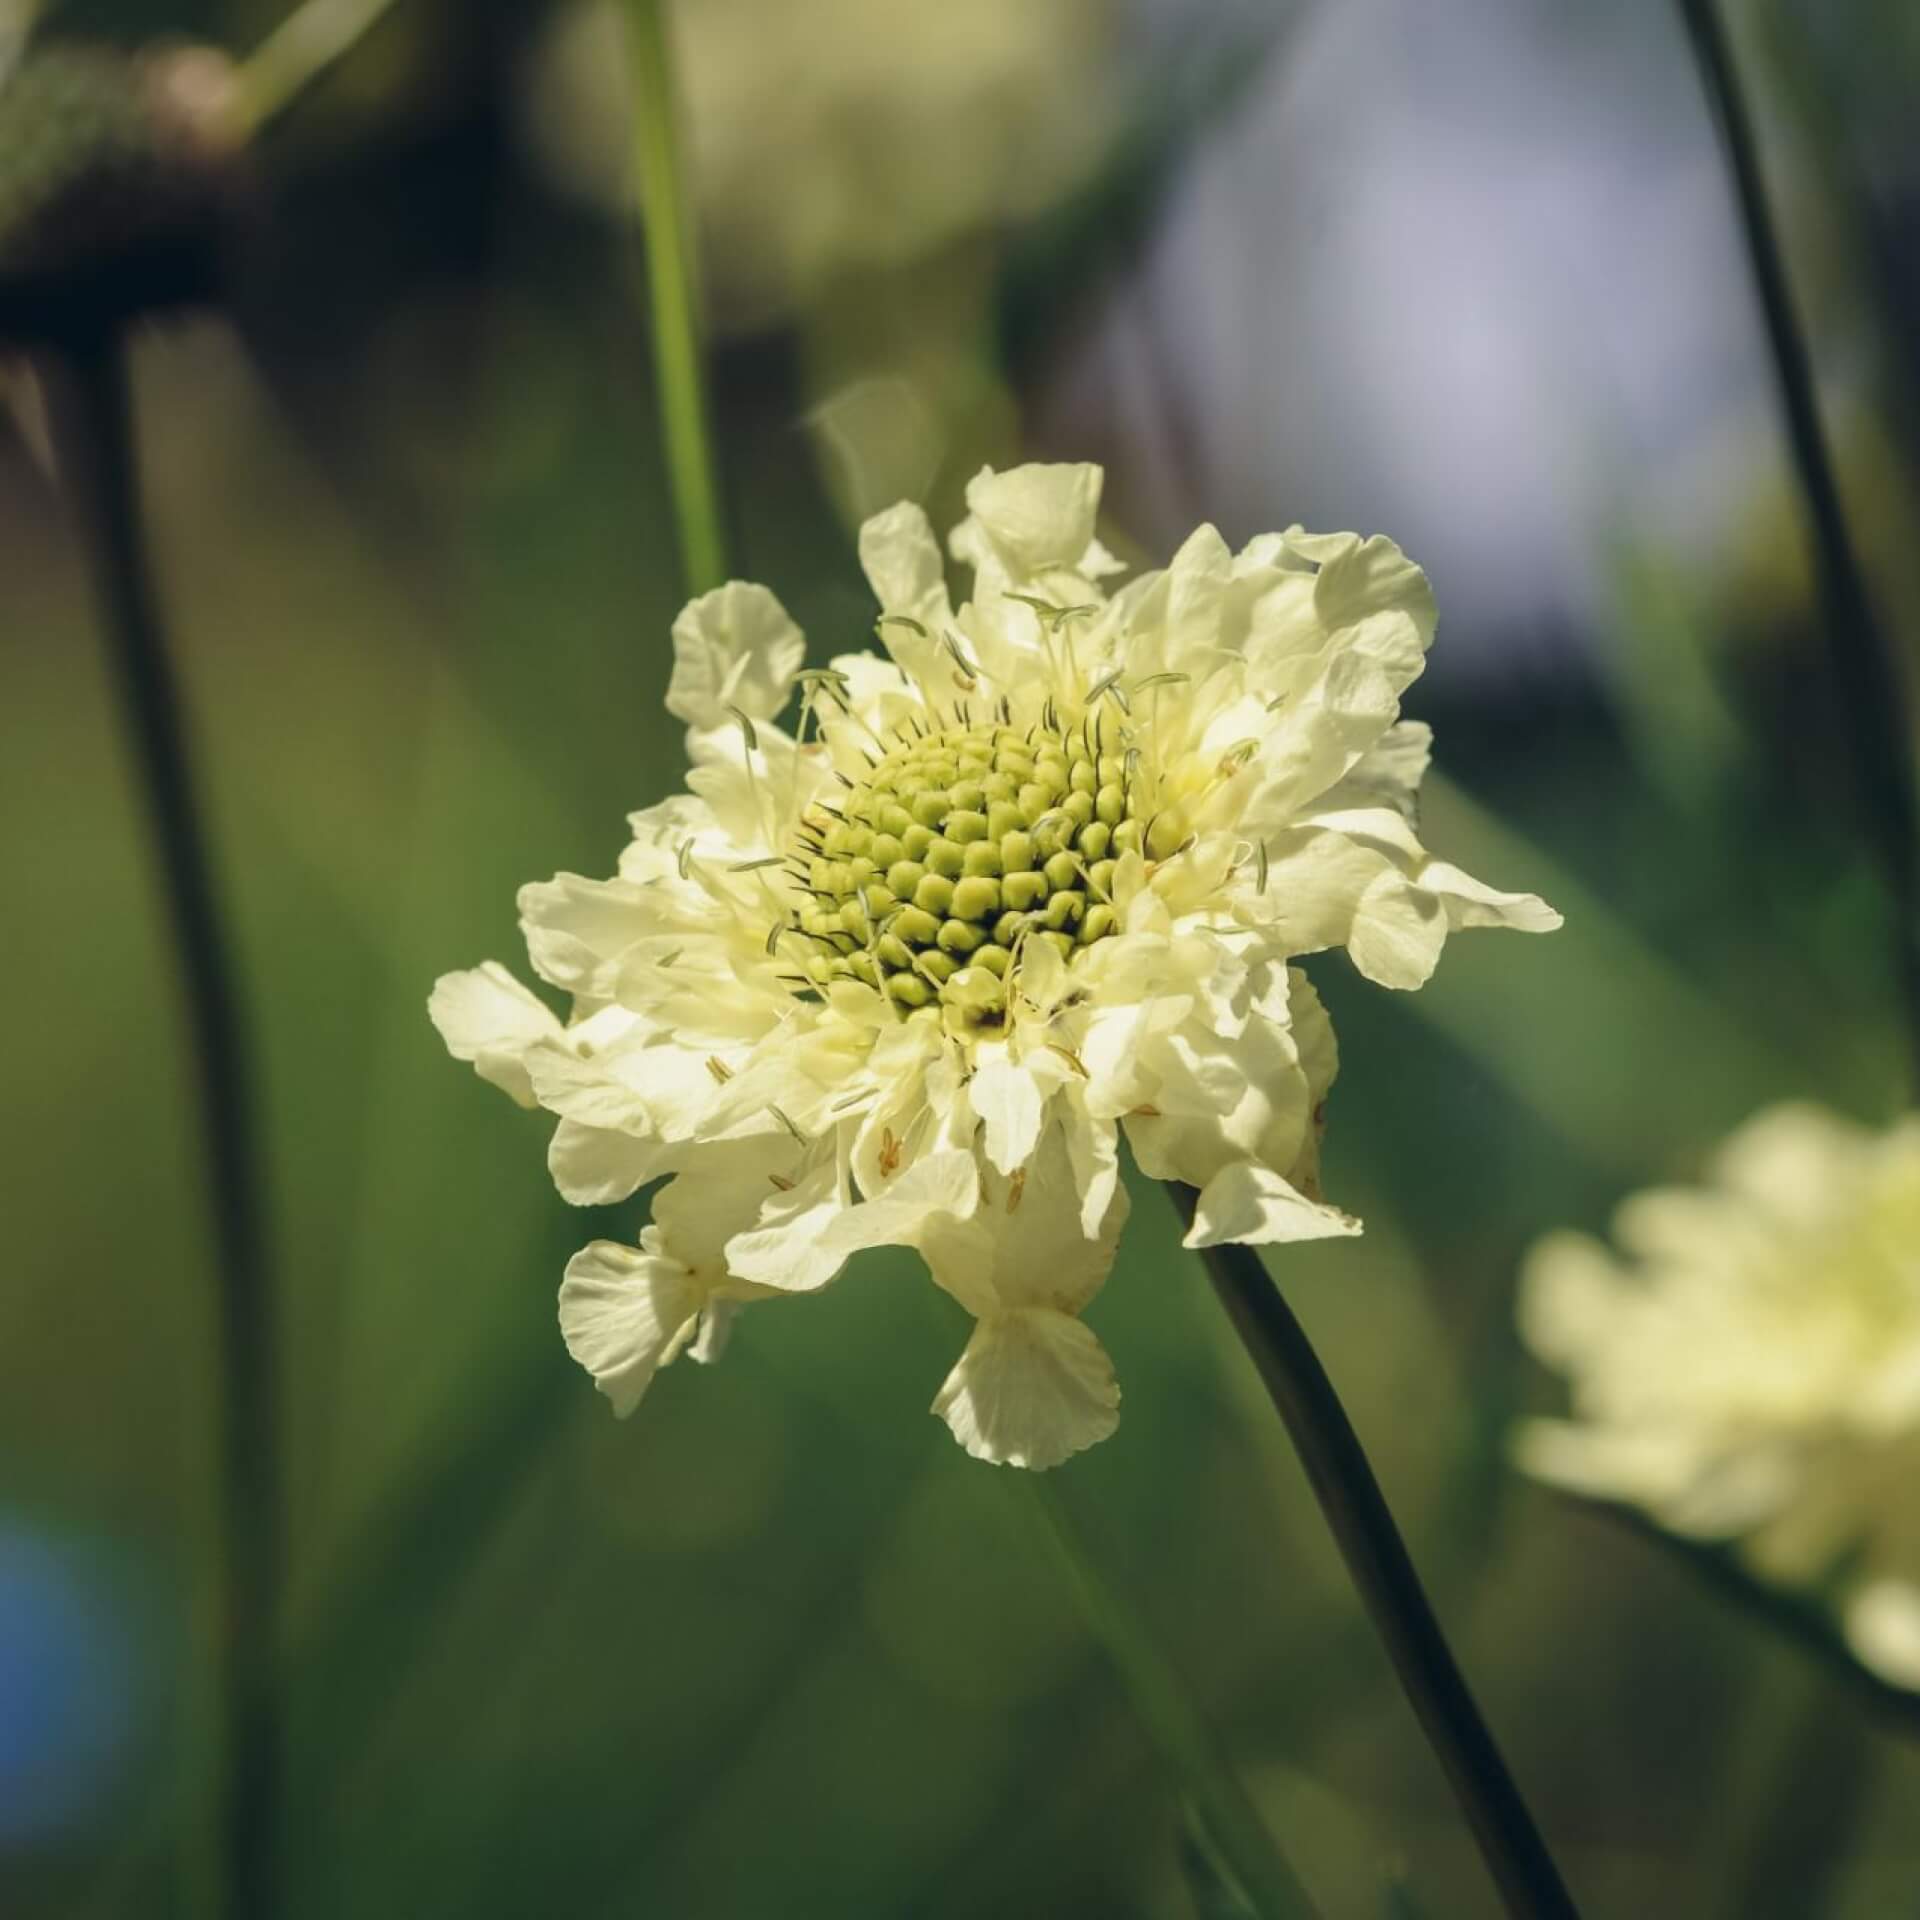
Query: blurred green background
x=777 y=1647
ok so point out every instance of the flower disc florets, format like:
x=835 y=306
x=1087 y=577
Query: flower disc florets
x=966 y=842
x=1025 y=885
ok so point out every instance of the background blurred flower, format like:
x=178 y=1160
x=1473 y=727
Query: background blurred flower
x=1751 y=1371
x=842 y=134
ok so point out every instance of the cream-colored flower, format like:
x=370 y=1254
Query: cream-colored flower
x=1025 y=884
x=839 y=134
x=1750 y=1372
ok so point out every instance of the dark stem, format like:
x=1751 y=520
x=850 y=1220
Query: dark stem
x=1866 y=673
x=1342 y=1480
x=90 y=409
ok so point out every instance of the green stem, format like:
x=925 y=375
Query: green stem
x=91 y=415
x=1176 y=1728
x=1866 y=672
x=1356 y=1512
x=313 y=38
x=1799 y=1834
x=676 y=331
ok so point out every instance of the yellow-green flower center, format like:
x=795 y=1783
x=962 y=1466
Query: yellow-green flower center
x=961 y=846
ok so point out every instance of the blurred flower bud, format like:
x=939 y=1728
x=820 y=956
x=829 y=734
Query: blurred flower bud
x=116 y=174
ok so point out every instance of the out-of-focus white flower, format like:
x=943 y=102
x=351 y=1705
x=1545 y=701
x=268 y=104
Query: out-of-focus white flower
x=1028 y=882
x=839 y=133
x=1750 y=1372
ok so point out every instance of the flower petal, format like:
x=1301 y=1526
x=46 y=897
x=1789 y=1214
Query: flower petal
x=1036 y=517
x=806 y=1237
x=1883 y=1628
x=1026 y=1245
x=1254 y=1205
x=1032 y=1388
x=488 y=1017
x=1571 y=1292
x=624 y=1313
x=1370 y=590
x=1472 y=903
x=1653 y=1465
x=1389 y=772
x=580 y=931
x=1007 y=1100
x=902 y=562
x=1397 y=933
x=598 y=1092
x=733 y=648
x=596 y=1167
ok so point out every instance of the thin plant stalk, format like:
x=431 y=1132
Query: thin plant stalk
x=1363 y=1528
x=1219 y=1801
x=309 y=41
x=91 y=420
x=1866 y=673
x=668 y=241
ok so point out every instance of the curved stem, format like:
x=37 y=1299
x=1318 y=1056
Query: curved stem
x=1872 y=697
x=1231 y=1820
x=1356 y=1512
x=310 y=40
x=670 y=282
x=90 y=412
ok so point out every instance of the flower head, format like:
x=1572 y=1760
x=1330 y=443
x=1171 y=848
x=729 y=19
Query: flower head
x=1750 y=1372
x=1025 y=883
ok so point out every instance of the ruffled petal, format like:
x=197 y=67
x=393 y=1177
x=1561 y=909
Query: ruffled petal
x=1472 y=903
x=903 y=565
x=624 y=1313
x=1371 y=592
x=1033 y=1388
x=1397 y=932
x=1027 y=1243
x=596 y=1167
x=1389 y=773
x=1175 y=622
x=733 y=649
x=1217 y=1100
x=805 y=1237
x=1327 y=888
x=1008 y=1101
x=1035 y=517
x=603 y=1091
x=486 y=1016
x=579 y=932
x=1254 y=1205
